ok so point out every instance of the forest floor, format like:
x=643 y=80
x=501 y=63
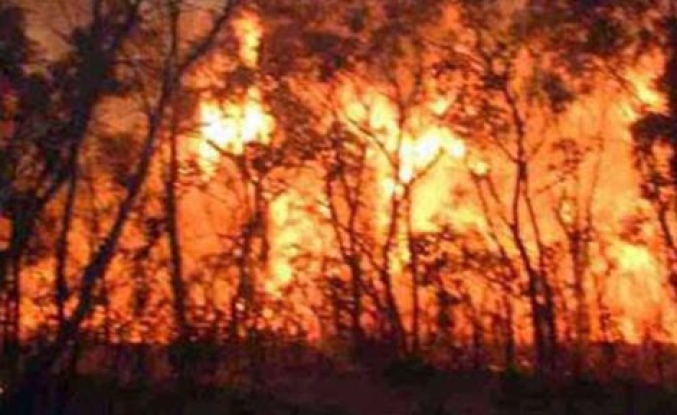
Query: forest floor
x=397 y=392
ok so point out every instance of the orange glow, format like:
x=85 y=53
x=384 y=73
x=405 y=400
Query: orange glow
x=426 y=150
x=479 y=167
x=416 y=159
x=639 y=272
x=249 y=32
x=5 y=232
x=642 y=91
x=231 y=126
x=420 y=137
x=646 y=93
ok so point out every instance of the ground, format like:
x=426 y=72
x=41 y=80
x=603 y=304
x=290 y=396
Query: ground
x=397 y=391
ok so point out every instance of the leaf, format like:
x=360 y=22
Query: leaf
x=356 y=20
x=605 y=37
x=651 y=128
x=559 y=95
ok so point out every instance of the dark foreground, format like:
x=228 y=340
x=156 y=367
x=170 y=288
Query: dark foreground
x=396 y=391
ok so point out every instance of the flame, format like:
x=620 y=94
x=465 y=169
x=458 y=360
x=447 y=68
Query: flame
x=567 y=212
x=416 y=151
x=634 y=258
x=249 y=31
x=645 y=91
x=5 y=232
x=231 y=126
x=440 y=105
x=643 y=94
x=639 y=272
x=283 y=248
x=479 y=167
x=416 y=146
x=416 y=139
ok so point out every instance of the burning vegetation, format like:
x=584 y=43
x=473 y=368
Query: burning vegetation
x=474 y=184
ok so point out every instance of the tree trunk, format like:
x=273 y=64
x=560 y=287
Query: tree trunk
x=178 y=286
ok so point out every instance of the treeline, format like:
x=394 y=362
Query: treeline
x=435 y=179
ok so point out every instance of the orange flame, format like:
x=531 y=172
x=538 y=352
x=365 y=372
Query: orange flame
x=230 y=127
x=407 y=149
x=249 y=31
x=5 y=232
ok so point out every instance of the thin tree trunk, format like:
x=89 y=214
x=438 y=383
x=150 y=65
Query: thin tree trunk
x=415 y=278
x=179 y=292
x=61 y=280
x=178 y=286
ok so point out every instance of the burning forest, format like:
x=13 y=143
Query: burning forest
x=220 y=193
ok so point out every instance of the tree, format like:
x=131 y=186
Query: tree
x=515 y=92
x=97 y=47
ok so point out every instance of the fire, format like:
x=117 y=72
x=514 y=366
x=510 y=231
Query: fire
x=230 y=127
x=412 y=150
x=249 y=32
x=645 y=92
x=642 y=90
x=633 y=258
x=640 y=272
x=5 y=232
x=478 y=167
x=417 y=151
x=415 y=139
x=416 y=160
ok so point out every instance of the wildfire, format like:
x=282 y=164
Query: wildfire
x=456 y=195
x=418 y=153
x=415 y=140
x=642 y=91
x=646 y=93
x=479 y=167
x=5 y=231
x=640 y=272
x=249 y=32
x=414 y=150
x=230 y=127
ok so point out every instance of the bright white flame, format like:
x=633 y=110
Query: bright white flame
x=249 y=32
x=230 y=127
